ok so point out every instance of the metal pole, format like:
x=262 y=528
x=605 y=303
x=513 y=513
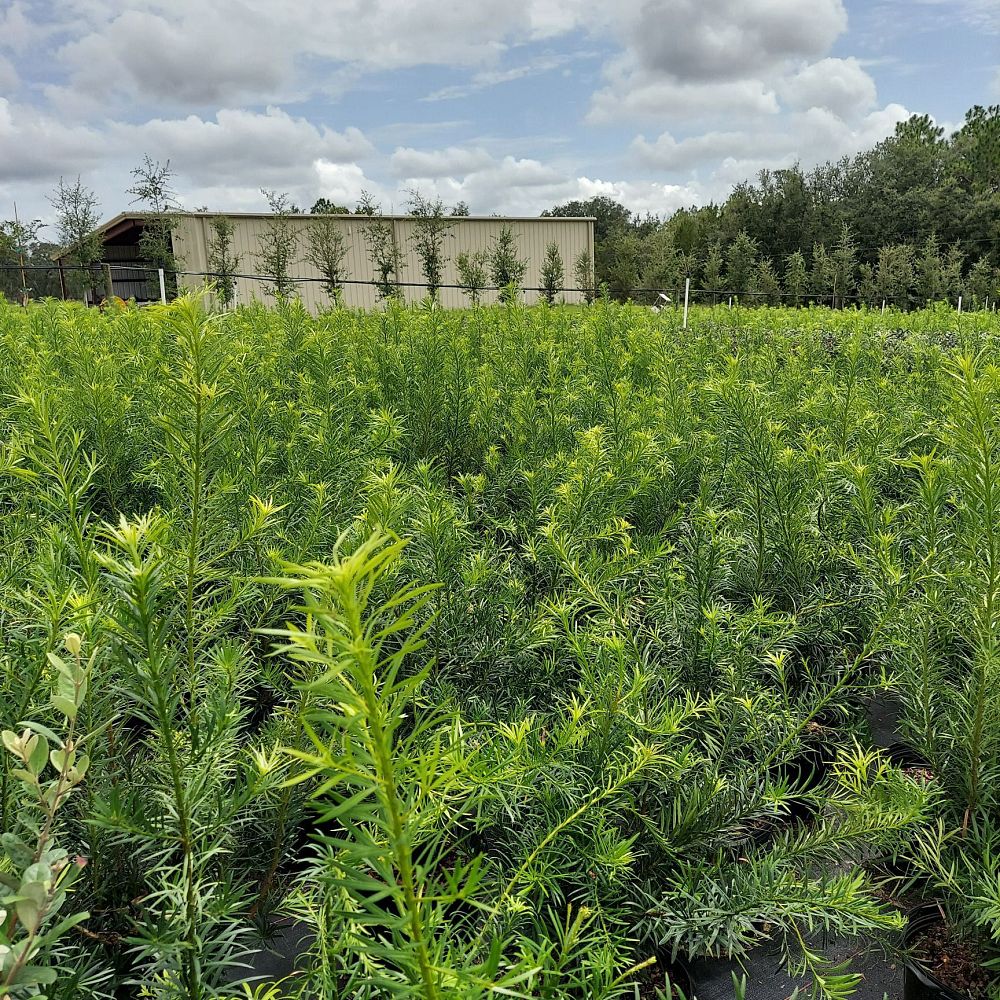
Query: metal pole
x=163 y=288
x=20 y=254
x=687 y=292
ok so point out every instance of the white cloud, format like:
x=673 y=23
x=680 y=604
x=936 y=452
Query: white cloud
x=731 y=39
x=642 y=197
x=37 y=147
x=240 y=144
x=229 y=50
x=667 y=153
x=343 y=183
x=840 y=85
x=634 y=95
x=807 y=137
x=406 y=162
x=505 y=185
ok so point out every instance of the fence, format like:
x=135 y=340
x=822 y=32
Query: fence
x=147 y=284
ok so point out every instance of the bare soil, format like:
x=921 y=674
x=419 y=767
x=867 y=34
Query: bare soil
x=953 y=961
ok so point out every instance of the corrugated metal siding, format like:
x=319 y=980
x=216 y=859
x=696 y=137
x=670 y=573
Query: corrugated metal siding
x=468 y=234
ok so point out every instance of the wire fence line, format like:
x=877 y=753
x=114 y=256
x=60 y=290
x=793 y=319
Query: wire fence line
x=718 y=295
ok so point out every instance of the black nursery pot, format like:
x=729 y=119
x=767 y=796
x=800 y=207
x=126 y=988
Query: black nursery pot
x=904 y=756
x=681 y=979
x=806 y=771
x=918 y=982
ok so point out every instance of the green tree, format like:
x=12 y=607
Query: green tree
x=844 y=264
x=741 y=265
x=383 y=252
x=430 y=230
x=223 y=261
x=19 y=244
x=796 y=277
x=472 y=273
x=712 y=272
x=929 y=272
x=277 y=246
x=982 y=282
x=952 y=272
x=821 y=278
x=77 y=218
x=583 y=274
x=553 y=273
x=507 y=267
x=767 y=283
x=327 y=249
x=323 y=206
x=894 y=276
x=867 y=286
x=152 y=188
x=622 y=264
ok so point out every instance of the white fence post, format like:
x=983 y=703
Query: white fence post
x=883 y=307
x=687 y=292
x=163 y=288
x=960 y=305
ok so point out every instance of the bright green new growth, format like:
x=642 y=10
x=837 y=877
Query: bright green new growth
x=604 y=707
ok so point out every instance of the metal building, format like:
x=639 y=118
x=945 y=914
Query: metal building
x=132 y=277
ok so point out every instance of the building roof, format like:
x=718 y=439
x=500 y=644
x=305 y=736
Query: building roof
x=127 y=220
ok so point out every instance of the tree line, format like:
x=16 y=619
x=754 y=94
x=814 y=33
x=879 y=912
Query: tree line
x=915 y=218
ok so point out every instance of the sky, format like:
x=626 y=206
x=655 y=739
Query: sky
x=512 y=106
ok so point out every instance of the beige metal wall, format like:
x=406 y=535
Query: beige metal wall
x=469 y=234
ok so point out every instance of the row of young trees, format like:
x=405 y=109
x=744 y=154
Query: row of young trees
x=284 y=244
x=915 y=218
x=901 y=274
x=325 y=246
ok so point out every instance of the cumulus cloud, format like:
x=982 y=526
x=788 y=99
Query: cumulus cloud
x=236 y=143
x=634 y=95
x=839 y=85
x=406 y=162
x=668 y=153
x=36 y=147
x=711 y=40
x=186 y=51
x=189 y=62
x=507 y=185
x=807 y=137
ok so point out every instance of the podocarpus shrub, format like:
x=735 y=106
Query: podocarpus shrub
x=664 y=583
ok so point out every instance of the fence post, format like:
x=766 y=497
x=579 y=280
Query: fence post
x=109 y=285
x=883 y=307
x=687 y=292
x=960 y=305
x=163 y=288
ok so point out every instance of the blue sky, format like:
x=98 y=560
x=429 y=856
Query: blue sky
x=509 y=105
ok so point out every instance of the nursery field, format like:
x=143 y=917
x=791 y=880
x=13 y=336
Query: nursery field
x=523 y=652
